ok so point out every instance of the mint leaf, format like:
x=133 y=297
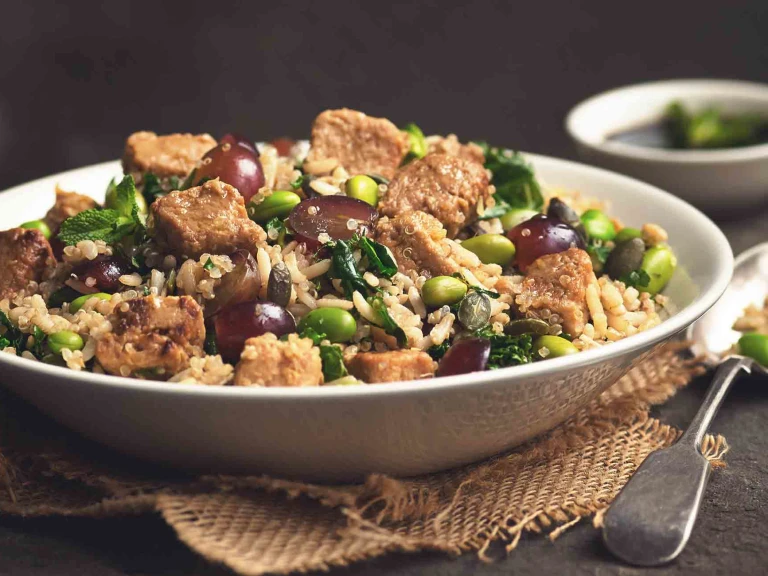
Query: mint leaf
x=91 y=225
x=125 y=200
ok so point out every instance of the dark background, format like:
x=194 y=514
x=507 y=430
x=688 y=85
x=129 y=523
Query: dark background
x=76 y=78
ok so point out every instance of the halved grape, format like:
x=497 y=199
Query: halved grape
x=240 y=285
x=542 y=235
x=238 y=322
x=104 y=270
x=237 y=139
x=234 y=164
x=465 y=356
x=337 y=216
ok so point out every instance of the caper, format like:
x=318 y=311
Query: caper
x=363 y=188
x=659 y=263
x=491 y=248
x=37 y=225
x=515 y=217
x=337 y=324
x=277 y=205
x=624 y=258
x=598 y=225
x=755 y=346
x=553 y=347
x=65 y=339
x=474 y=311
x=78 y=303
x=442 y=291
x=627 y=234
x=279 y=285
x=527 y=326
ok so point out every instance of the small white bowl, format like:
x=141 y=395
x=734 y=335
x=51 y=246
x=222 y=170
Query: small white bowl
x=721 y=182
x=341 y=433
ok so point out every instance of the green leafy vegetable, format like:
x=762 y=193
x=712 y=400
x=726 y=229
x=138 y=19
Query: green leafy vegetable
x=379 y=256
x=38 y=346
x=513 y=178
x=386 y=321
x=418 y=147
x=478 y=289
x=710 y=129
x=499 y=209
x=637 y=278
x=20 y=341
x=276 y=230
x=437 y=351
x=152 y=189
x=296 y=184
x=210 y=346
x=312 y=334
x=333 y=363
x=209 y=265
x=598 y=251
x=507 y=350
x=107 y=225
x=344 y=267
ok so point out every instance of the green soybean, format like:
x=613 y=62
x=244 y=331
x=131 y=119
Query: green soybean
x=65 y=339
x=443 y=291
x=598 y=225
x=363 y=188
x=659 y=263
x=37 y=225
x=555 y=347
x=515 y=217
x=338 y=325
x=77 y=303
x=755 y=346
x=277 y=205
x=627 y=234
x=491 y=248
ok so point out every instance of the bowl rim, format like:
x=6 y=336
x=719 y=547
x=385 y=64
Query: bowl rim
x=706 y=298
x=723 y=87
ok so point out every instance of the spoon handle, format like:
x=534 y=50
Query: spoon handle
x=726 y=374
x=651 y=519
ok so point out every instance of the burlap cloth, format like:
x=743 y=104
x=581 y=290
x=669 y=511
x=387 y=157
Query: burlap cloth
x=258 y=525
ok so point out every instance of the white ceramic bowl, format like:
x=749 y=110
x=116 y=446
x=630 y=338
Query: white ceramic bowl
x=722 y=182
x=342 y=433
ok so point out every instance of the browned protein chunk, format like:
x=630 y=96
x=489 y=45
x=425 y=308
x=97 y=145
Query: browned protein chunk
x=362 y=144
x=450 y=188
x=556 y=283
x=393 y=366
x=152 y=337
x=24 y=256
x=267 y=361
x=209 y=218
x=164 y=156
x=67 y=204
x=418 y=242
x=450 y=145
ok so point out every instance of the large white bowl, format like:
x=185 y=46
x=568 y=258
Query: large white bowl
x=722 y=182
x=342 y=433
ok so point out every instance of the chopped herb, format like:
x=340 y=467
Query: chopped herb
x=209 y=265
x=598 y=251
x=152 y=189
x=38 y=347
x=344 y=267
x=379 y=256
x=437 y=351
x=276 y=230
x=61 y=296
x=108 y=225
x=189 y=180
x=637 y=279
x=296 y=184
x=146 y=291
x=499 y=209
x=18 y=340
x=333 y=363
x=507 y=350
x=386 y=321
x=513 y=178
x=478 y=289
x=210 y=345
x=710 y=129
x=418 y=147
x=313 y=335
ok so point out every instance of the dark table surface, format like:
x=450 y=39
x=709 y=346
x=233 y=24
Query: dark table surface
x=77 y=78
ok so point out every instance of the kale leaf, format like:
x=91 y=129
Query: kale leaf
x=20 y=341
x=344 y=267
x=637 y=278
x=507 y=350
x=387 y=322
x=379 y=256
x=333 y=363
x=514 y=179
x=437 y=351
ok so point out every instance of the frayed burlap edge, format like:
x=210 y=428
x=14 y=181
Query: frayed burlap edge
x=258 y=525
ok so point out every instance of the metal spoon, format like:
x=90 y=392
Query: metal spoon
x=651 y=519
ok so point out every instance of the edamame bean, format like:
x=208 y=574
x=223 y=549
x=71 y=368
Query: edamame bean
x=553 y=347
x=443 y=291
x=627 y=234
x=755 y=346
x=37 y=225
x=598 y=225
x=515 y=217
x=338 y=325
x=363 y=188
x=277 y=205
x=491 y=248
x=659 y=263
x=78 y=303
x=65 y=339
